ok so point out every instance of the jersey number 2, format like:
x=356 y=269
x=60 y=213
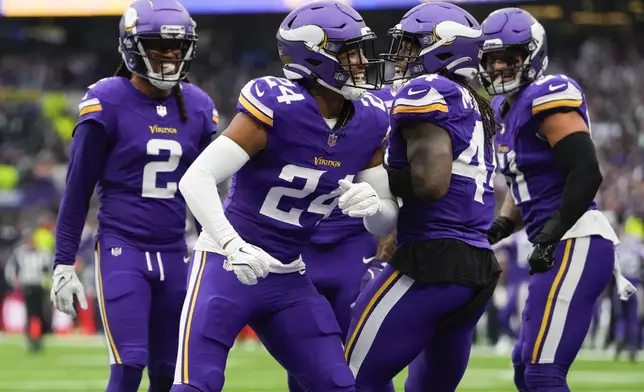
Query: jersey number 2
x=320 y=205
x=151 y=169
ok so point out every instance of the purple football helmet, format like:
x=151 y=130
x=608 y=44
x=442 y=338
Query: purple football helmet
x=437 y=38
x=329 y=43
x=159 y=27
x=515 y=38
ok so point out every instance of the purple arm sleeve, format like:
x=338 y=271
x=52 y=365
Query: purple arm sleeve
x=87 y=159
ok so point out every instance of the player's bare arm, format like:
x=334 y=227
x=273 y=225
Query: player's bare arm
x=508 y=221
x=510 y=210
x=247 y=134
x=386 y=247
x=557 y=126
x=569 y=137
x=503 y=258
x=429 y=152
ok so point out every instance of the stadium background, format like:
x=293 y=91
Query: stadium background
x=51 y=51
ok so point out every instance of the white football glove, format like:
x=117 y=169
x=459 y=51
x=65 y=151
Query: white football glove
x=625 y=289
x=247 y=261
x=65 y=285
x=358 y=200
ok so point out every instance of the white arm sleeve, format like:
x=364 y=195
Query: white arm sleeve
x=617 y=270
x=384 y=222
x=218 y=162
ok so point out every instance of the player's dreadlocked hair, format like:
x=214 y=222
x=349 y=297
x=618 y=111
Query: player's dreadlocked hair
x=178 y=94
x=487 y=113
x=122 y=71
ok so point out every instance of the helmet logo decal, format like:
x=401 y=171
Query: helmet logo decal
x=539 y=34
x=313 y=36
x=446 y=33
x=449 y=30
x=130 y=19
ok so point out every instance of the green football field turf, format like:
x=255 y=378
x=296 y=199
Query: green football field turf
x=80 y=364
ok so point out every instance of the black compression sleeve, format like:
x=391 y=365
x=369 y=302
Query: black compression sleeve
x=400 y=182
x=576 y=153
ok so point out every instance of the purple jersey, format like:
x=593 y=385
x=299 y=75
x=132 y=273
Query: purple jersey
x=535 y=176
x=466 y=211
x=277 y=200
x=516 y=249
x=150 y=149
x=387 y=94
x=338 y=226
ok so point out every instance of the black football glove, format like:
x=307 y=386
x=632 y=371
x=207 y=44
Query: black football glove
x=501 y=227
x=542 y=258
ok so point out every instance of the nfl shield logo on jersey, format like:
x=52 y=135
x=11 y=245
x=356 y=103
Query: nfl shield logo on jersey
x=227 y=266
x=332 y=140
x=162 y=110
x=116 y=251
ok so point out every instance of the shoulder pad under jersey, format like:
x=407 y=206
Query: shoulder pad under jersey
x=553 y=93
x=202 y=104
x=263 y=98
x=376 y=112
x=96 y=103
x=425 y=98
x=434 y=99
x=387 y=94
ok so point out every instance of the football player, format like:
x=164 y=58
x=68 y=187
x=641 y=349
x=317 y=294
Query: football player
x=548 y=158
x=340 y=260
x=344 y=257
x=136 y=135
x=440 y=163
x=294 y=145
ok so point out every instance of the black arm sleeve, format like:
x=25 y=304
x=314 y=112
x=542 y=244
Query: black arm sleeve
x=576 y=153
x=400 y=182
